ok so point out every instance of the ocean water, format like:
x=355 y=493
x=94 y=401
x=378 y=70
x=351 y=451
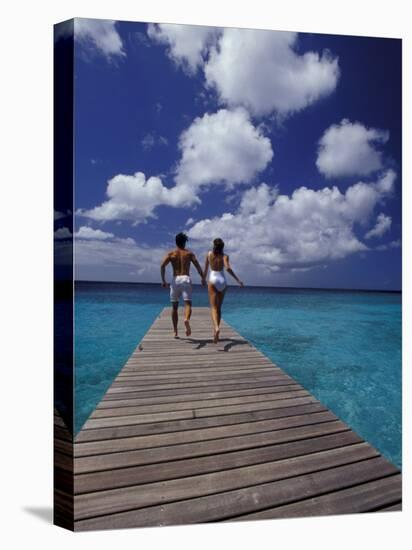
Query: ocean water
x=342 y=346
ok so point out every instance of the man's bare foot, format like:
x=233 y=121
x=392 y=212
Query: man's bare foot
x=188 y=329
x=216 y=336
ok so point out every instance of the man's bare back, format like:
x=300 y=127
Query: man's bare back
x=181 y=260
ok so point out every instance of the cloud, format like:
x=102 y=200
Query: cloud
x=258 y=69
x=222 y=148
x=262 y=71
x=349 y=149
x=99 y=36
x=271 y=232
x=150 y=140
x=134 y=198
x=383 y=224
x=62 y=233
x=59 y=215
x=187 y=44
x=118 y=258
x=393 y=244
x=86 y=232
x=113 y=258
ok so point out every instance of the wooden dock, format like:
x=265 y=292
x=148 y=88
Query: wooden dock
x=192 y=432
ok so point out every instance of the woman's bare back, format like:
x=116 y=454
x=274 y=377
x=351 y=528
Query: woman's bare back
x=216 y=261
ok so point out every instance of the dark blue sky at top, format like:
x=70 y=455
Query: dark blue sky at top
x=118 y=103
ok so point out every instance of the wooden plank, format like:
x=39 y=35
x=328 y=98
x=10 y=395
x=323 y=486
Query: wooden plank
x=108 y=479
x=176 y=391
x=193 y=413
x=194 y=358
x=137 y=419
x=210 y=374
x=173 y=452
x=180 y=398
x=234 y=382
x=201 y=378
x=227 y=366
x=63 y=446
x=62 y=433
x=175 y=406
x=192 y=354
x=123 y=499
x=361 y=498
x=208 y=411
x=63 y=474
x=179 y=361
x=171 y=374
x=203 y=434
x=117 y=432
x=228 y=504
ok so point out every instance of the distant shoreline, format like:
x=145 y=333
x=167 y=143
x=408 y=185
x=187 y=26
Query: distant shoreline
x=257 y=287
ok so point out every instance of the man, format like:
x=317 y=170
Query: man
x=180 y=258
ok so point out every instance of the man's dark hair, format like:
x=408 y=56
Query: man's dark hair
x=181 y=240
x=218 y=246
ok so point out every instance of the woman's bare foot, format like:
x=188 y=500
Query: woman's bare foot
x=216 y=336
x=188 y=329
x=175 y=334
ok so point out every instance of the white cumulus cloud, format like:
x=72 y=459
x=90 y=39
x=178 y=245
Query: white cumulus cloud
x=274 y=232
x=62 y=233
x=134 y=198
x=349 y=149
x=262 y=70
x=117 y=259
x=187 y=44
x=59 y=215
x=100 y=36
x=86 y=232
x=222 y=147
x=383 y=224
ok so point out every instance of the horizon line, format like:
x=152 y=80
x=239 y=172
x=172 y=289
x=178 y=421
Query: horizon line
x=251 y=286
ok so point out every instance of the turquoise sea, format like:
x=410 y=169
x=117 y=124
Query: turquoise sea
x=342 y=346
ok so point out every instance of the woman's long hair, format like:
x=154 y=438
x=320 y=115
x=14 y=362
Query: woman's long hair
x=218 y=246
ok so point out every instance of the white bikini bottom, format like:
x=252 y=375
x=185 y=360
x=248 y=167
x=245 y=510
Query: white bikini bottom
x=218 y=280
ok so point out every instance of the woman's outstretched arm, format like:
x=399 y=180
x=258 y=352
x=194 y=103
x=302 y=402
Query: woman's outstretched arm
x=230 y=270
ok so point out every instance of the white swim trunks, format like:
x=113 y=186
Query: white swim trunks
x=181 y=286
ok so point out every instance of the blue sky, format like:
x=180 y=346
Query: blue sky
x=287 y=146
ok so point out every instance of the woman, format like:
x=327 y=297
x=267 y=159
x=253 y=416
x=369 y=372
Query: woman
x=218 y=262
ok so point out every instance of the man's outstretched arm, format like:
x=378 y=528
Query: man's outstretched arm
x=163 y=265
x=199 y=269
